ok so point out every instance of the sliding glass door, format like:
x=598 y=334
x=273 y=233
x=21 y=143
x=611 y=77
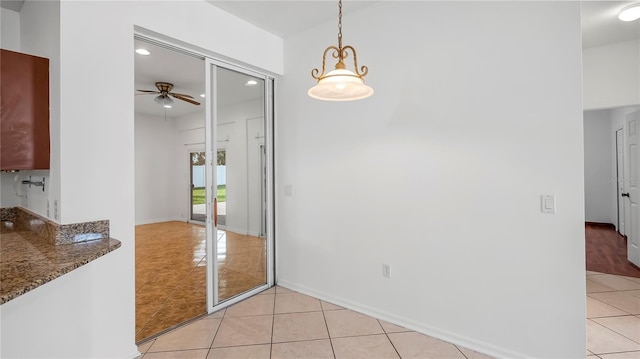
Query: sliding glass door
x=239 y=123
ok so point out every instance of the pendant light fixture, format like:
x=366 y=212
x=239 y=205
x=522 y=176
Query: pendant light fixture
x=340 y=84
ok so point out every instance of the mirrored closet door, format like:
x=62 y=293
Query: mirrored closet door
x=240 y=119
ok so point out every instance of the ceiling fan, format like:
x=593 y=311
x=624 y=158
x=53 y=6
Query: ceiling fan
x=165 y=94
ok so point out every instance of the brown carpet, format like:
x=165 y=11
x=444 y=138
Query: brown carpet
x=607 y=251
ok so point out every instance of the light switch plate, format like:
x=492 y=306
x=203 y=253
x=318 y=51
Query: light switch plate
x=548 y=203
x=288 y=190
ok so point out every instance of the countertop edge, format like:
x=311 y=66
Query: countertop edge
x=113 y=245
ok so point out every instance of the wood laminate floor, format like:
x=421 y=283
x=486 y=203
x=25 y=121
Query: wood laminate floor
x=171 y=272
x=606 y=251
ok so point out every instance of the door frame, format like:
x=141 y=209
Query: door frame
x=211 y=61
x=620 y=175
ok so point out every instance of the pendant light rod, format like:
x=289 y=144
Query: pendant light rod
x=340 y=24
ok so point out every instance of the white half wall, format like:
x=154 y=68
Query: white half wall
x=611 y=75
x=599 y=169
x=477 y=112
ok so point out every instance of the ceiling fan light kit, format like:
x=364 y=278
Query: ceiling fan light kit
x=165 y=95
x=630 y=13
x=340 y=84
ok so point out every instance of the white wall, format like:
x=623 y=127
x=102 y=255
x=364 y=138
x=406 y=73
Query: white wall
x=10 y=40
x=599 y=169
x=254 y=170
x=612 y=75
x=9 y=30
x=35 y=31
x=233 y=125
x=618 y=115
x=96 y=51
x=156 y=169
x=478 y=119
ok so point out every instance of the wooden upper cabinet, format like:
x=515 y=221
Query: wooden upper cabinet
x=24 y=111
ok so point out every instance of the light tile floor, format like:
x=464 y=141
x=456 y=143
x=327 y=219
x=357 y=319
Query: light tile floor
x=280 y=323
x=613 y=316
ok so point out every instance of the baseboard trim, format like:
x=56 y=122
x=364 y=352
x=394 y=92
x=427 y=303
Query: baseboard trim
x=159 y=220
x=469 y=343
x=600 y=224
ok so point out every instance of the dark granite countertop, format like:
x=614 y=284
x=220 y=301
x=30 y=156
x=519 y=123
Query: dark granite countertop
x=29 y=260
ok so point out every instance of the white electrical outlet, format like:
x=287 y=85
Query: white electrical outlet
x=386 y=270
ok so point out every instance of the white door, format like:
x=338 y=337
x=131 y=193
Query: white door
x=632 y=122
x=620 y=179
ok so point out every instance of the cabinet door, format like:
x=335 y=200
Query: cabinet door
x=24 y=111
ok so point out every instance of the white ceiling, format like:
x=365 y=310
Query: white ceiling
x=285 y=18
x=186 y=73
x=600 y=26
x=15 y=5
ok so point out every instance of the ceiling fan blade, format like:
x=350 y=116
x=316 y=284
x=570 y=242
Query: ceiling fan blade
x=148 y=91
x=185 y=99
x=181 y=94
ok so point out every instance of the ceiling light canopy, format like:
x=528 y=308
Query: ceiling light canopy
x=340 y=84
x=143 y=52
x=630 y=13
x=251 y=83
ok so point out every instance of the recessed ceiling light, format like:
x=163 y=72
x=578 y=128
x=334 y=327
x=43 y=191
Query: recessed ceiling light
x=167 y=106
x=631 y=13
x=251 y=83
x=144 y=52
x=202 y=95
